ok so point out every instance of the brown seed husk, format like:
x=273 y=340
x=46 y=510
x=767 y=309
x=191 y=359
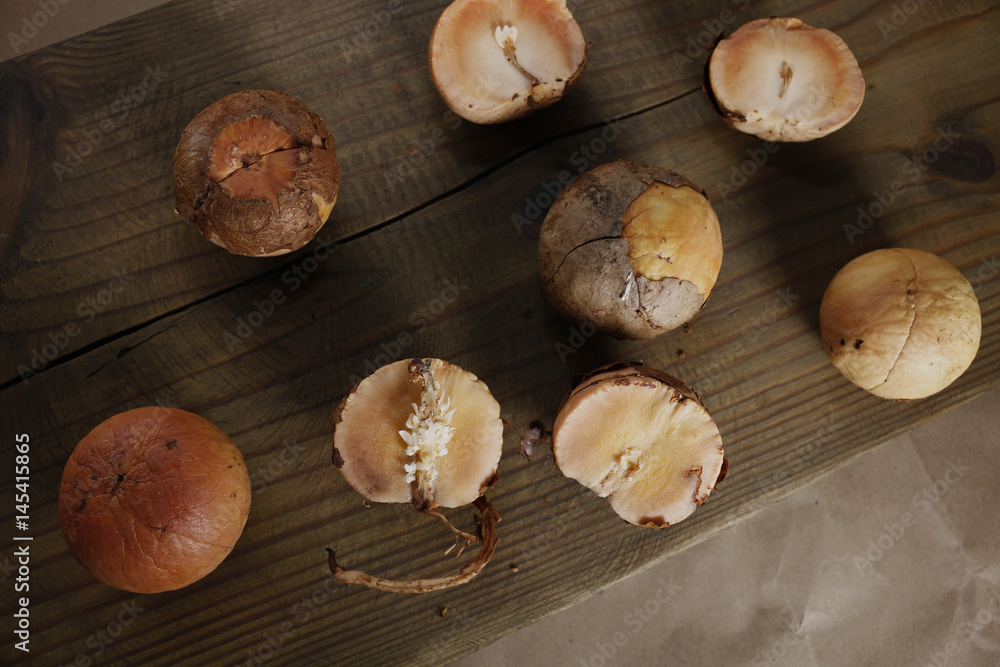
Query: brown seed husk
x=281 y=205
x=633 y=249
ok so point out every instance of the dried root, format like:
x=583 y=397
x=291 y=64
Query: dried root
x=487 y=525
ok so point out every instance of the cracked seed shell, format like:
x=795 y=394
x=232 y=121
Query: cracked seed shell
x=900 y=323
x=633 y=249
x=257 y=173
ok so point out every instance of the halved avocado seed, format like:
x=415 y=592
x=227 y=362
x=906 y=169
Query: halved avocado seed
x=782 y=80
x=423 y=432
x=641 y=439
x=496 y=61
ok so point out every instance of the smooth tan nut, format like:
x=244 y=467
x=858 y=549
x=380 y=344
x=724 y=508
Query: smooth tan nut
x=643 y=440
x=497 y=60
x=257 y=173
x=425 y=432
x=782 y=80
x=153 y=499
x=633 y=249
x=900 y=323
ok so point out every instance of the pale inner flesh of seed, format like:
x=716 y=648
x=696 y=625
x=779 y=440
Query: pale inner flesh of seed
x=524 y=56
x=487 y=54
x=655 y=455
x=449 y=453
x=791 y=82
x=673 y=232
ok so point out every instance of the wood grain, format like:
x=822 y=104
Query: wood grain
x=84 y=219
x=459 y=277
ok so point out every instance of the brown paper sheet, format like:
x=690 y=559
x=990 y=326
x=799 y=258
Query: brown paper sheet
x=892 y=560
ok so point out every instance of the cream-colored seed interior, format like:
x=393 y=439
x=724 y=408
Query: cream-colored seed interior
x=791 y=82
x=673 y=232
x=489 y=58
x=510 y=58
x=391 y=437
x=656 y=458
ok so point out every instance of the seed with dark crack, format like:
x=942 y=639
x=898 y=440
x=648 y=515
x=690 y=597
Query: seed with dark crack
x=256 y=172
x=633 y=249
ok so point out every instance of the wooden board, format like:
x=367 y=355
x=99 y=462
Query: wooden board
x=445 y=265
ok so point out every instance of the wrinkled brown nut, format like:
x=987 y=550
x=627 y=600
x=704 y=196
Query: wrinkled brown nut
x=782 y=80
x=153 y=499
x=631 y=248
x=256 y=172
x=900 y=323
x=497 y=60
x=425 y=432
x=641 y=439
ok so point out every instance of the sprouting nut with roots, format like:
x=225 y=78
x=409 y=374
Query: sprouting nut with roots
x=641 y=439
x=633 y=249
x=257 y=173
x=424 y=432
x=497 y=60
x=782 y=80
x=900 y=323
